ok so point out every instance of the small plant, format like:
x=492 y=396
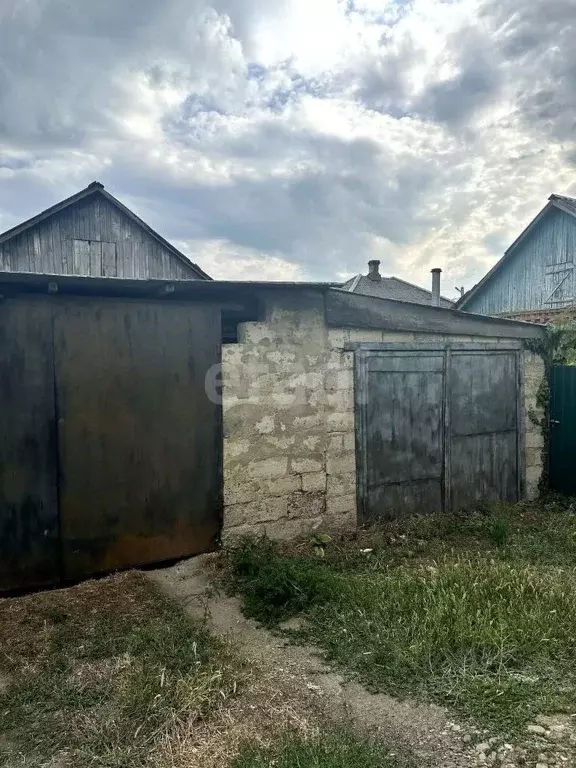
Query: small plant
x=499 y=531
x=319 y=543
x=275 y=586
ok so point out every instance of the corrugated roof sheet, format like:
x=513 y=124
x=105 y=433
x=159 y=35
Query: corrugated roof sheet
x=392 y=288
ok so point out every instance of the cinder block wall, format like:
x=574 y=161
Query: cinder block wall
x=288 y=405
x=534 y=375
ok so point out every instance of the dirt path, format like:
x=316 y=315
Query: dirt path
x=426 y=731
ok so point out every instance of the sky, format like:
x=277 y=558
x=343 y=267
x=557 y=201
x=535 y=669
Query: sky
x=296 y=139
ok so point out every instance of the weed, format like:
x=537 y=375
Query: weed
x=275 y=586
x=336 y=748
x=499 y=530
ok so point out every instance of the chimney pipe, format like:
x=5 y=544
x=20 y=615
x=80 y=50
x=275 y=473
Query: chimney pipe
x=374 y=270
x=436 y=272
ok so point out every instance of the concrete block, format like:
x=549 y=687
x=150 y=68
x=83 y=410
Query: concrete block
x=313 y=443
x=338 y=361
x=339 y=464
x=534 y=438
x=336 y=442
x=236 y=492
x=255 y=512
x=233 y=448
x=340 y=422
x=362 y=334
x=313 y=421
x=314 y=481
x=338 y=337
x=282 y=442
x=337 y=505
x=268 y=468
x=240 y=491
x=533 y=475
x=341 y=485
x=534 y=457
x=286 y=530
x=282 y=356
x=306 y=505
x=302 y=465
x=349 y=441
x=308 y=380
x=231 y=534
x=343 y=400
x=265 y=426
x=336 y=380
x=287 y=400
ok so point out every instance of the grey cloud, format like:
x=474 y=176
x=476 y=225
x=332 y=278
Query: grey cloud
x=476 y=84
x=536 y=42
x=383 y=84
x=62 y=64
x=339 y=195
x=274 y=184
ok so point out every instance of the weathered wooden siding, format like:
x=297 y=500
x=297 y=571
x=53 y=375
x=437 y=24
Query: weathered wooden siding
x=92 y=238
x=438 y=428
x=540 y=274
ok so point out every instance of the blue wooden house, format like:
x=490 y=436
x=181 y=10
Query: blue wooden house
x=534 y=280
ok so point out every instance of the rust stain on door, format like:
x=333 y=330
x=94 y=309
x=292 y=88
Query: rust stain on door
x=139 y=440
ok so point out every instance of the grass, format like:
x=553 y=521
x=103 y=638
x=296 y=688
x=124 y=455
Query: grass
x=102 y=674
x=477 y=612
x=333 y=748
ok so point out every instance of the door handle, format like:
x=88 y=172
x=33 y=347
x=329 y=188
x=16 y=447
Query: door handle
x=554 y=422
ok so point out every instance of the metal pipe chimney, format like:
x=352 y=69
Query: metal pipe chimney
x=436 y=272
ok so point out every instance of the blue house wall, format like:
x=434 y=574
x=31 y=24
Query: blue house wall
x=539 y=274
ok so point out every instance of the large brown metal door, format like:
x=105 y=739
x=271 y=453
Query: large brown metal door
x=139 y=438
x=438 y=428
x=29 y=550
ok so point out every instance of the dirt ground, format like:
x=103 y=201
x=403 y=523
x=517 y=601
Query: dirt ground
x=426 y=731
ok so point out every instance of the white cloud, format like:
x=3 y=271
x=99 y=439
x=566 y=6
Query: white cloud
x=299 y=138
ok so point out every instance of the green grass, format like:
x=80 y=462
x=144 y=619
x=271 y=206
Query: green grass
x=330 y=749
x=477 y=612
x=102 y=673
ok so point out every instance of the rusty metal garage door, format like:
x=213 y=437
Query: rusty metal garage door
x=111 y=449
x=438 y=427
x=29 y=547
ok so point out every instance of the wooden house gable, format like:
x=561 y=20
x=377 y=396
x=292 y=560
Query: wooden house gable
x=93 y=236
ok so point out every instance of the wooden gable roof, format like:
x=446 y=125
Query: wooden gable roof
x=97 y=189
x=560 y=202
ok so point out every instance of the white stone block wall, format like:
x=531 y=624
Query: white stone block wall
x=288 y=406
x=534 y=376
x=288 y=403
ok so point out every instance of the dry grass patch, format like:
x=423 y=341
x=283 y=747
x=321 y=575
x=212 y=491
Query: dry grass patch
x=271 y=704
x=107 y=674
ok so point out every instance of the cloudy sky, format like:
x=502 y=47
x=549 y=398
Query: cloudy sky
x=296 y=139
